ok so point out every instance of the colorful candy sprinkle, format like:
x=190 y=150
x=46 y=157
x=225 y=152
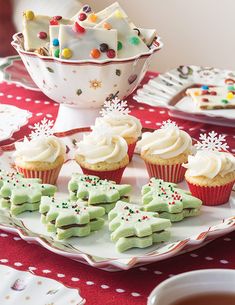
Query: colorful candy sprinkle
x=118 y=14
x=231 y=88
x=42 y=35
x=134 y=40
x=204 y=87
x=204 y=92
x=213 y=93
x=205 y=100
x=196 y=93
x=104 y=47
x=86 y=9
x=54 y=22
x=57 y=17
x=55 y=42
x=78 y=28
x=82 y=17
x=29 y=15
x=224 y=101
x=111 y=53
x=95 y=53
x=107 y=26
x=57 y=53
x=230 y=96
x=119 y=47
x=67 y=53
x=92 y=17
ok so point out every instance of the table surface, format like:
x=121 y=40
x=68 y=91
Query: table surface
x=97 y=286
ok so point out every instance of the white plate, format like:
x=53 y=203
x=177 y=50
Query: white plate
x=19 y=287
x=161 y=90
x=11 y=120
x=97 y=250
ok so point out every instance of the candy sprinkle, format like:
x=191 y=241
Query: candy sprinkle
x=104 y=47
x=230 y=96
x=134 y=40
x=107 y=26
x=224 y=101
x=82 y=17
x=54 y=22
x=86 y=9
x=29 y=15
x=67 y=53
x=95 y=53
x=55 y=42
x=118 y=14
x=111 y=53
x=231 y=88
x=119 y=47
x=42 y=35
x=205 y=100
x=57 y=53
x=78 y=28
x=204 y=87
x=57 y=17
x=93 y=17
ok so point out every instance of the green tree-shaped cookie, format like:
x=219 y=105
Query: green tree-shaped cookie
x=67 y=218
x=97 y=191
x=22 y=194
x=169 y=201
x=132 y=227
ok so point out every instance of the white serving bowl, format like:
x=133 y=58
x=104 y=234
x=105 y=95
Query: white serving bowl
x=84 y=85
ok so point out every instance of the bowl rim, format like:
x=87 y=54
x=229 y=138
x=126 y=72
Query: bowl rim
x=156 y=46
x=185 y=275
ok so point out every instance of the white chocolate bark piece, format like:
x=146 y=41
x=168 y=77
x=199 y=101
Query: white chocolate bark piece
x=148 y=35
x=212 y=98
x=79 y=46
x=54 y=37
x=92 y=21
x=32 y=30
x=129 y=44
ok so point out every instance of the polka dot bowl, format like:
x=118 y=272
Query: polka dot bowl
x=85 y=84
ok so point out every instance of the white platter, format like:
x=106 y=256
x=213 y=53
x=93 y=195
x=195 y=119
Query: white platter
x=20 y=287
x=97 y=250
x=163 y=90
x=11 y=120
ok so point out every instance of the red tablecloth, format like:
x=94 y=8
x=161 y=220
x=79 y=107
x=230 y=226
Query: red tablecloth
x=97 y=286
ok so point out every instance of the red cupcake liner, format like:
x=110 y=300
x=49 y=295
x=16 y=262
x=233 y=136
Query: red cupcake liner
x=113 y=175
x=212 y=195
x=47 y=176
x=131 y=149
x=170 y=173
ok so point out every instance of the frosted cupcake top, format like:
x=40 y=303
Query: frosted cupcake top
x=210 y=164
x=115 y=117
x=40 y=149
x=167 y=142
x=102 y=147
x=43 y=146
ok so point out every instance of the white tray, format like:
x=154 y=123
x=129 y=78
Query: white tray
x=168 y=90
x=97 y=250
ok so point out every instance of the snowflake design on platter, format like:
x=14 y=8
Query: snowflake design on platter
x=43 y=128
x=115 y=107
x=168 y=123
x=213 y=142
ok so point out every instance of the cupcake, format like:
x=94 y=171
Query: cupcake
x=164 y=151
x=210 y=176
x=40 y=157
x=103 y=154
x=115 y=117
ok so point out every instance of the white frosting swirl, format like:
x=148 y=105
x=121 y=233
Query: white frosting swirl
x=42 y=149
x=102 y=148
x=121 y=125
x=210 y=164
x=167 y=142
